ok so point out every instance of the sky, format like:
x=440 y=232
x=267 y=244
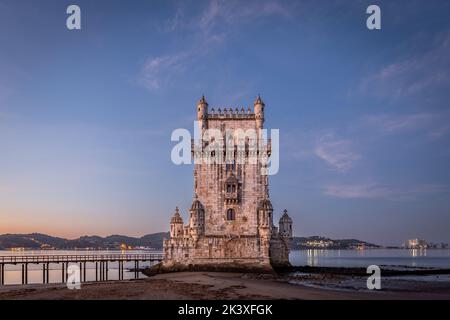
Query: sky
x=86 y=115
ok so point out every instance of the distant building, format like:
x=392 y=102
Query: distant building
x=416 y=244
x=319 y=243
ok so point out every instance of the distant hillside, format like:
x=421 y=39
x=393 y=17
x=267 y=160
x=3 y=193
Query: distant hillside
x=39 y=241
x=317 y=242
x=154 y=241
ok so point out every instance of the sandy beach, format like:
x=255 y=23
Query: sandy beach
x=216 y=285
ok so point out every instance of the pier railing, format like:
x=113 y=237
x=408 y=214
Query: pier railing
x=101 y=264
x=50 y=258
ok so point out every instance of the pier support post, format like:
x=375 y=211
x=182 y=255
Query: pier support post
x=48 y=272
x=62 y=273
x=136 y=267
x=43 y=273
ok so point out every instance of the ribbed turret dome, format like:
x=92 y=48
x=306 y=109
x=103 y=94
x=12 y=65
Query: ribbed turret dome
x=259 y=101
x=266 y=205
x=196 y=205
x=202 y=100
x=176 y=217
x=285 y=217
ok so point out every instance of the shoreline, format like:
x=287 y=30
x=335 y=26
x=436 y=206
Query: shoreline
x=204 y=285
x=386 y=271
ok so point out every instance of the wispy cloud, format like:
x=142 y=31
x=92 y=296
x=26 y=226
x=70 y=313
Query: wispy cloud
x=205 y=32
x=393 y=123
x=380 y=191
x=175 y=22
x=416 y=75
x=433 y=125
x=440 y=131
x=221 y=15
x=337 y=153
x=158 y=72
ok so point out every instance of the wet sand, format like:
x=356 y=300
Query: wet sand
x=216 y=285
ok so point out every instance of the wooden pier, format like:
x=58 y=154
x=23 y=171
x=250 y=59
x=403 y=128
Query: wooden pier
x=101 y=264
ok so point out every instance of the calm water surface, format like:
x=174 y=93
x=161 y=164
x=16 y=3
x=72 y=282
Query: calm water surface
x=435 y=258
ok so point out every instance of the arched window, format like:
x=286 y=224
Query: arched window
x=230 y=214
x=231 y=188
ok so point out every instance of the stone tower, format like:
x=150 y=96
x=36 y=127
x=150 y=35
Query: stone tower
x=231 y=217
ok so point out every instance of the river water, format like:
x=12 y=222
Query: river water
x=435 y=258
x=431 y=258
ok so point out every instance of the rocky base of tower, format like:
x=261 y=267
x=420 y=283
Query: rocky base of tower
x=224 y=253
x=210 y=267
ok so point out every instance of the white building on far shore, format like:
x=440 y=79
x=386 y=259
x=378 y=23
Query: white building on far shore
x=416 y=244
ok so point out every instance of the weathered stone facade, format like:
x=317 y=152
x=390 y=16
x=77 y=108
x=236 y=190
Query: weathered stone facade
x=231 y=218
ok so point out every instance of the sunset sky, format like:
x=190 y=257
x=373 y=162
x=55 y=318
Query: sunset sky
x=364 y=116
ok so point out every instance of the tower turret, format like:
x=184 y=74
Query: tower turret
x=176 y=225
x=197 y=219
x=202 y=113
x=258 y=106
x=285 y=226
x=265 y=218
x=265 y=224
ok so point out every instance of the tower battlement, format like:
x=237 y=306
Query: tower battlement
x=236 y=113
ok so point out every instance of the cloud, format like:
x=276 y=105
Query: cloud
x=158 y=72
x=418 y=75
x=380 y=191
x=440 y=131
x=221 y=18
x=232 y=12
x=203 y=33
x=393 y=123
x=174 y=22
x=433 y=125
x=336 y=152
